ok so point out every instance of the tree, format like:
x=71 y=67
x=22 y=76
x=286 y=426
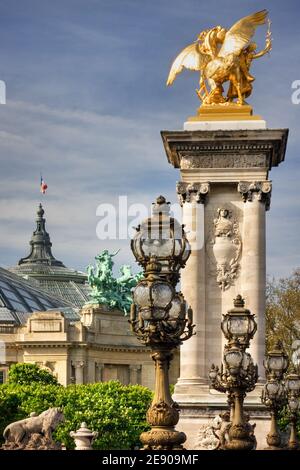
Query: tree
x=283 y=311
x=26 y=374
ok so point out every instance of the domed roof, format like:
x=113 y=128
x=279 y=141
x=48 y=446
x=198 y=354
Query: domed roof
x=51 y=274
x=19 y=298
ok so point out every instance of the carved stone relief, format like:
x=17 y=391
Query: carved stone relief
x=224 y=247
x=207 y=438
x=223 y=161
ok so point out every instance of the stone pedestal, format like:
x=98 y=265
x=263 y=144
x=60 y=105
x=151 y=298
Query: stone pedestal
x=225 y=192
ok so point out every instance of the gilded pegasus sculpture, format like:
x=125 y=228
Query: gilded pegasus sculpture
x=224 y=56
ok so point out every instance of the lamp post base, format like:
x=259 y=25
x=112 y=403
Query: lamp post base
x=274 y=441
x=293 y=445
x=239 y=438
x=163 y=439
x=273 y=448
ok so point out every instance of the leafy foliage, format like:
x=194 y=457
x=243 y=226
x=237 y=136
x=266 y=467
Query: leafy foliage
x=9 y=406
x=283 y=323
x=116 y=411
x=26 y=374
x=283 y=311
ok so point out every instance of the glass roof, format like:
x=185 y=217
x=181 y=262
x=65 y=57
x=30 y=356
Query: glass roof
x=18 y=295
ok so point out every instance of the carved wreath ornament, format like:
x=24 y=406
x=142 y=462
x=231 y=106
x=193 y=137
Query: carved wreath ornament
x=224 y=247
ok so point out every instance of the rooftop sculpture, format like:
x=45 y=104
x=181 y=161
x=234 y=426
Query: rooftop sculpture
x=222 y=55
x=108 y=290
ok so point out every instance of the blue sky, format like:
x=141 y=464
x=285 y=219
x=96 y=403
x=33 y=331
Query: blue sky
x=86 y=100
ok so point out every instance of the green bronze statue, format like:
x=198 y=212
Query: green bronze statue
x=108 y=290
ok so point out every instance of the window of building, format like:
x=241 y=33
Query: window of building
x=116 y=372
x=2 y=376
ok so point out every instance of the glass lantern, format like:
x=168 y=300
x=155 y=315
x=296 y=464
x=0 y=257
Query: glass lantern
x=276 y=362
x=163 y=237
x=293 y=404
x=233 y=358
x=239 y=324
x=178 y=308
x=293 y=384
x=246 y=362
x=153 y=299
x=275 y=390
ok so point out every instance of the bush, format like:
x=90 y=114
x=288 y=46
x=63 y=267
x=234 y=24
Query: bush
x=26 y=374
x=9 y=407
x=284 y=420
x=116 y=411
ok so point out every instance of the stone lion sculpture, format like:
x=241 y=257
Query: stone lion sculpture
x=215 y=434
x=221 y=431
x=34 y=432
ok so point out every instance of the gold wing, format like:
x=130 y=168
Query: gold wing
x=190 y=58
x=240 y=34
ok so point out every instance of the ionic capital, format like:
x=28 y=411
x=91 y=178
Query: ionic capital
x=78 y=364
x=192 y=192
x=136 y=368
x=259 y=190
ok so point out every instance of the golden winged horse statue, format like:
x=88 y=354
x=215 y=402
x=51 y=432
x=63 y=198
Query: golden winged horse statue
x=223 y=56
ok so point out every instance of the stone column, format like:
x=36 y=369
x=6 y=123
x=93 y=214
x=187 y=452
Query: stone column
x=79 y=371
x=233 y=260
x=192 y=353
x=256 y=196
x=133 y=374
x=99 y=372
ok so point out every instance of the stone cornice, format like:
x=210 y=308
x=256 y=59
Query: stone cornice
x=37 y=344
x=218 y=149
x=121 y=348
x=69 y=345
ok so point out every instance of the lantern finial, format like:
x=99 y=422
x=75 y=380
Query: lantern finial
x=239 y=302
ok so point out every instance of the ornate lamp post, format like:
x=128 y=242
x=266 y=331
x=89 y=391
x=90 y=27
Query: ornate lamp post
x=160 y=317
x=238 y=374
x=274 y=394
x=293 y=388
x=163 y=237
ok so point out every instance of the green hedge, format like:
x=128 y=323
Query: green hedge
x=116 y=411
x=25 y=374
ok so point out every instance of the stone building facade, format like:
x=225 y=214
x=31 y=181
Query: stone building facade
x=45 y=319
x=94 y=347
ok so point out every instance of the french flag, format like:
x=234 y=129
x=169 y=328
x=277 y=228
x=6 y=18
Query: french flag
x=43 y=186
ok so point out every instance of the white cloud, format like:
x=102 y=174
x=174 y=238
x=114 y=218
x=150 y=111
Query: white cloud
x=87 y=159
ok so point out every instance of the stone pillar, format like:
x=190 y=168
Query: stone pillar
x=256 y=197
x=192 y=353
x=134 y=374
x=99 y=372
x=79 y=371
x=213 y=163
